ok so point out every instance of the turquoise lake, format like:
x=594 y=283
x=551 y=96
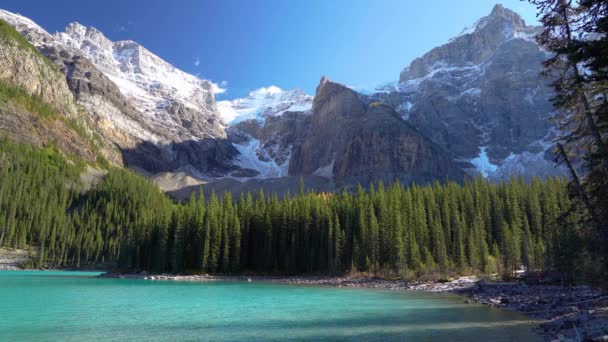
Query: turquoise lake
x=75 y=306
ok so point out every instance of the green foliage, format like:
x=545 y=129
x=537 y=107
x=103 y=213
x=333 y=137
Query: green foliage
x=576 y=34
x=19 y=97
x=422 y=231
x=8 y=33
x=89 y=136
x=36 y=188
x=432 y=229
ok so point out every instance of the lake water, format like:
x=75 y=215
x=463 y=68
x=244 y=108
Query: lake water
x=75 y=306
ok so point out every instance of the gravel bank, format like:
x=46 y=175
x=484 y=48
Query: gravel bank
x=12 y=259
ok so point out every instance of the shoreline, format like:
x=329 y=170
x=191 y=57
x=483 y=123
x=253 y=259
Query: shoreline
x=564 y=314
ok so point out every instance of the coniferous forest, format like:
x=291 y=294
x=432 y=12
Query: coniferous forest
x=553 y=226
x=416 y=231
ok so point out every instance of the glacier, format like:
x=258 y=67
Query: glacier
x=249 y=159
x=263 y=102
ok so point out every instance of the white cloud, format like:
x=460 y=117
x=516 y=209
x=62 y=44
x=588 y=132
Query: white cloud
x=197 y=62
x=219 y=89
x=264 y=92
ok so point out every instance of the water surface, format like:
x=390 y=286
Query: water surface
x=75 y=306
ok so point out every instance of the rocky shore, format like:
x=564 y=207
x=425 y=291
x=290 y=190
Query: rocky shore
x=12 y=259
x=566 y=313
x=460 y=284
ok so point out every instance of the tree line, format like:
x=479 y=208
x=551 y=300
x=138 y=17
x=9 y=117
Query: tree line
x=440 y=229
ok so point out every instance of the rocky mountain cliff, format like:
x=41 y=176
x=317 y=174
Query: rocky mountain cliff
x=341 y=138
x=481 y=98
x=151 y=115
x=355 y=142
x=36 y=105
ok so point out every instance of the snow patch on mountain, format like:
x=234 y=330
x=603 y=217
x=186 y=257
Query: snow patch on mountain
x=478 y=25
x=471 y=92
x=249 y=158
x=264 y=102
x=514 y=26
x=179 y=106
x=326 y=171
x=382 y=88
x=141 y=75
x=524 y=163
x=441 y=70
x=482 y=163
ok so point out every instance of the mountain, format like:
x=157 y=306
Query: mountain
x=36 y=105
x=181 y=103
x=340 y=138
x=478 y=98
x=475 y=105
x=481 y=98
x=358 y=143
x=263 y=151
x=151 y=115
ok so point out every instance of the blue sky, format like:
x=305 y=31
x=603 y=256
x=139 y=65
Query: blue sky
x=251 y=44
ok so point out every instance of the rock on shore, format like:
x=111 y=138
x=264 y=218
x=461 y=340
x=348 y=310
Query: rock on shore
x=12 y=259
x=569 y=313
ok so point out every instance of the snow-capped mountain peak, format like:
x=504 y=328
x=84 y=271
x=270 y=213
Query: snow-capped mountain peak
x=264 y=102
x=178 y=105
x=480 y=97
x=512 y=25
x=473 y=47
x=137 y=71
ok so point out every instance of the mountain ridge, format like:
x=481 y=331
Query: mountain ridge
x=480 y=97
x=136 y=100
x=473 y=105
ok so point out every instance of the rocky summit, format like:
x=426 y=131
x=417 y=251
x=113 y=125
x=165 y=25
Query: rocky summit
x=481 y=98
x=475 y=105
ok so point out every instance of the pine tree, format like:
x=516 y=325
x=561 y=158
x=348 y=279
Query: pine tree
x=575 y=33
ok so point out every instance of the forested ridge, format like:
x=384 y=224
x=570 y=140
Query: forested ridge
x=437 y=229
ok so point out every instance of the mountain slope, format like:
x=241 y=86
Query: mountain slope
x=167 y=96
x=341 y=138
x=151 y=115
x=36 y=106
x=481 y=97
x=354 y=142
